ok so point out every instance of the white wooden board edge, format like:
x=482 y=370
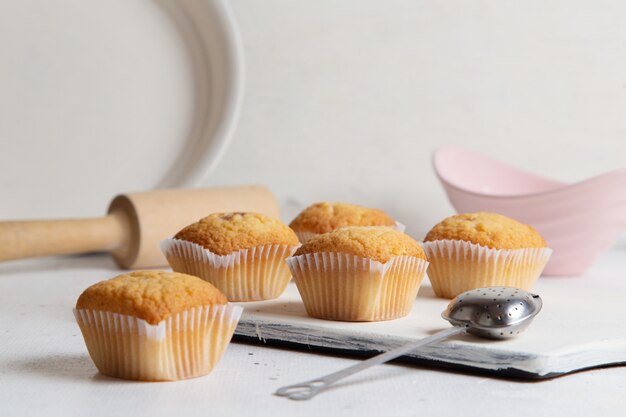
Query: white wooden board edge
x=558 y=342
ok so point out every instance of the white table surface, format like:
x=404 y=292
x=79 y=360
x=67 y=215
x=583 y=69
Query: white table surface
x=45 y=369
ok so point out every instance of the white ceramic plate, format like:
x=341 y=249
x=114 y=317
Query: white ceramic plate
x=106 y=97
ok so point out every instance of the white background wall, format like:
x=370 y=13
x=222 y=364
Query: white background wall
x=346 y=100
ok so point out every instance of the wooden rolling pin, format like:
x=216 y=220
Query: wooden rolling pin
x=134 y=226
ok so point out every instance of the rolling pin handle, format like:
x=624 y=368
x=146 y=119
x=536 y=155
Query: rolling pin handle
x=33 y=238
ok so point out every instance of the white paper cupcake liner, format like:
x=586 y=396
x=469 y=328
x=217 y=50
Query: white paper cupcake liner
x=254 y=274
x=186 y=345
x=303 y=237
x=399 y=227
x=457 y=266
x=339 y=286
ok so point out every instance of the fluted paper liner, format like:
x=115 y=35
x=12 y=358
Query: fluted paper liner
x=339 y=286
x=253 y=274
x=303 y=236
x=457 y=266
x=186 y=345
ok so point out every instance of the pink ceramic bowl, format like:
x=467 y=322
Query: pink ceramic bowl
x=579 y=221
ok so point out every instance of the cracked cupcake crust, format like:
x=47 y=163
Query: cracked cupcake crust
x=325 y=217
x=150 y=295
x=491 y=230
x=378 y=243
x=224 y=233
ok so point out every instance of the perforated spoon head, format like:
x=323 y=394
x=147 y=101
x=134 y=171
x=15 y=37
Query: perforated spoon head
x=493 y=312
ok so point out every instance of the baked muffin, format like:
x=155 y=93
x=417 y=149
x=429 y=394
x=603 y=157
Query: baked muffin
x=475 y=250
x=155 y=326
x=242 y=254
x=359 y=273
x=326 y=217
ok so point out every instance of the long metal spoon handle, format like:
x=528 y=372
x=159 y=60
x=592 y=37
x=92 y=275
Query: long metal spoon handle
x=308 y=389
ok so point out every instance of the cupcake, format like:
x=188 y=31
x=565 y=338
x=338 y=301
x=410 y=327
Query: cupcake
x=326 y=217
x=242 y=254
x=155 y=326
x=477 y=250
x=359 y=274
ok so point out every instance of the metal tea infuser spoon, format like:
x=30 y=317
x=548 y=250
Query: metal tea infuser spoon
x=492 y=312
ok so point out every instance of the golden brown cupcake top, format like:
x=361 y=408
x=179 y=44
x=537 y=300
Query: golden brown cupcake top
x=150 y=295
x=487 y=229
x=223 y=233
x=325 y=217
x=378 y=243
